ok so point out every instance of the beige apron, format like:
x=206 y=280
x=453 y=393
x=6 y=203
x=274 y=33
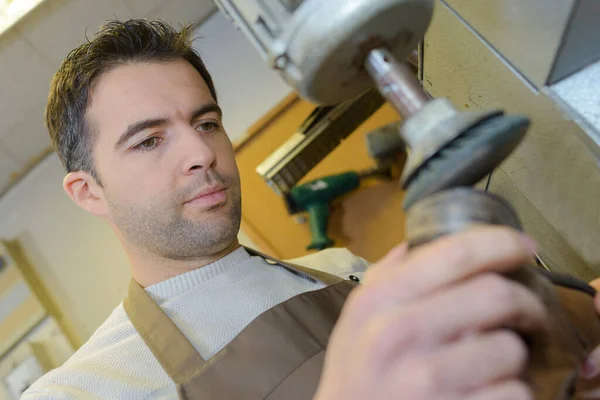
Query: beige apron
x=279 y=355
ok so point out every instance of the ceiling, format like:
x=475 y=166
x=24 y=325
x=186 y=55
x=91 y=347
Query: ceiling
x=32 y=50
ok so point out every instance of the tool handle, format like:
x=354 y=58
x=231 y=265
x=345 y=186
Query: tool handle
x=318 y=218
x=556 y=353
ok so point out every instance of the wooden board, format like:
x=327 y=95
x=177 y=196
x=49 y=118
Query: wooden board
x=369 y=221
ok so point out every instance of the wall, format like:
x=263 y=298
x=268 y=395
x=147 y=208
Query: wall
x=246 y=87
x=552 y=179
x=77 y=255
x=353 y=223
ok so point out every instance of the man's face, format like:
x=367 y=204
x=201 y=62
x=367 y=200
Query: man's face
x=166 y=164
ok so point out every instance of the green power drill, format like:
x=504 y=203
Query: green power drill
x=314 y=197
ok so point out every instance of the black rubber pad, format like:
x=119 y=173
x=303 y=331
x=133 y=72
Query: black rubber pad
x=469 y=158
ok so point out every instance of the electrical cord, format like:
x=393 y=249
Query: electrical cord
x=487 y=184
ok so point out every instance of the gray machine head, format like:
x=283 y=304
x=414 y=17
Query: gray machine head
x=320 y=46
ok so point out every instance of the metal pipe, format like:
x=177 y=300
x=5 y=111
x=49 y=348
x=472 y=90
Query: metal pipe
x=396 y=82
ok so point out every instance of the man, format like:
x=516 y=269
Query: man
x=134 y=117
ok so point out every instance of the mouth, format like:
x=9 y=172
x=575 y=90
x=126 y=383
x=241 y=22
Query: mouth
x=209 y=197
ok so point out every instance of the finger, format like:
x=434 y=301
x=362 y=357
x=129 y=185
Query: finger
x=590 y=366
x=509 y=390
x=593 y=394
x=444 y=262
x=595 y=284
x=454 y=258
x=460 y=256
x=397 y=254
x=391 y=259
x=478 y=361
x=482 y=302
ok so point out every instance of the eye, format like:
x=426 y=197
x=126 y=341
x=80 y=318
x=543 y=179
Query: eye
x=148 y=144
x=207 y=127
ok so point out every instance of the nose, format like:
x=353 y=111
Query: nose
x=196 y=152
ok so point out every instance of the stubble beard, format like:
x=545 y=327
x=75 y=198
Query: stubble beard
x=161 y=227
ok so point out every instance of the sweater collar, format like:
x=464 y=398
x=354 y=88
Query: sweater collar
x=180 y=283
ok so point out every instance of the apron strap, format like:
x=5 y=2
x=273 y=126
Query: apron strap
x=178 y=357
x=170 y=347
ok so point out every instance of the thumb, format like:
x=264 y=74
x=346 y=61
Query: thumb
x=393 y=259
x=591 y=367
x=394 y=256
x=596 y=285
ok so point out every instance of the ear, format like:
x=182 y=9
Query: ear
x=83 y=189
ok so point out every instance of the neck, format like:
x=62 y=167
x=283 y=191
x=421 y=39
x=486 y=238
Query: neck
x=148 y=269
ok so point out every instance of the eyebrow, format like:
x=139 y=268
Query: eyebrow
x=205 y=109
x=140 y=126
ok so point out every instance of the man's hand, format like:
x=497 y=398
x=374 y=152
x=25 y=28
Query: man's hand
x=427 y=325
x=590 y=368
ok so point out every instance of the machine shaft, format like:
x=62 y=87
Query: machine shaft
x=396 y=82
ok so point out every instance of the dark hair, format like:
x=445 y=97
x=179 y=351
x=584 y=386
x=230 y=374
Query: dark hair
x=116 y=43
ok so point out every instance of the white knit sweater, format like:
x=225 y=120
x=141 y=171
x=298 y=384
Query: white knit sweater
x=210 y=305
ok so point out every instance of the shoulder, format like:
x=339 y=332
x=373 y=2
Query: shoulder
x=337 y=261
x=113 y=363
